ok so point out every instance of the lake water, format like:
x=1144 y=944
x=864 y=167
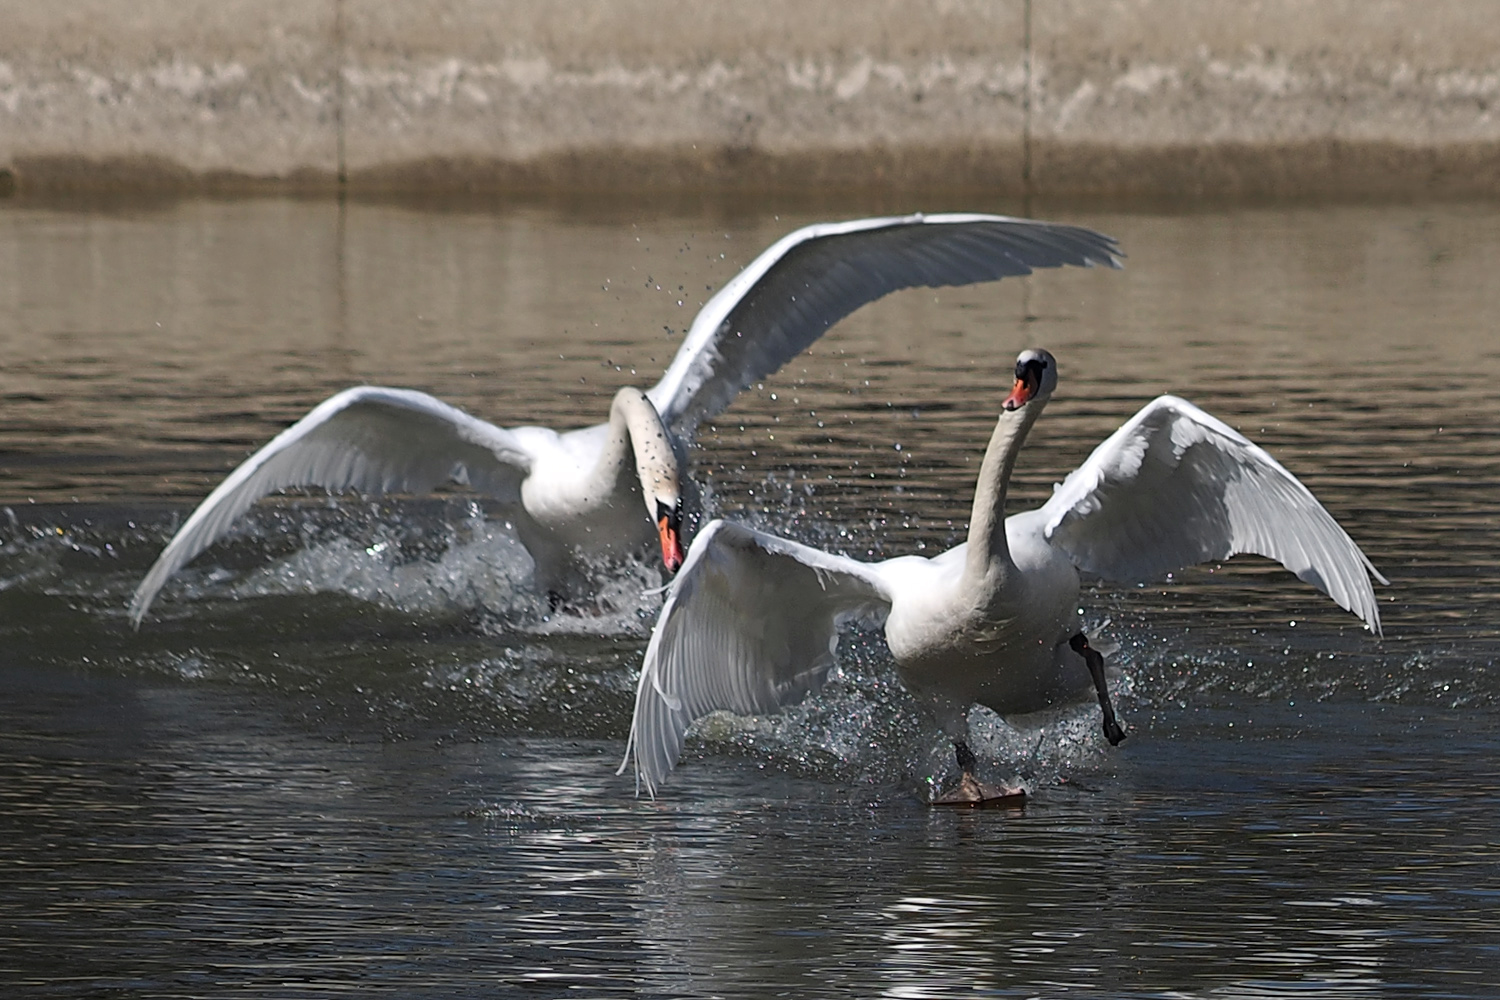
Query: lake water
x=350 y=751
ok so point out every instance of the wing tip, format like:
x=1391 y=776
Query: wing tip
x=140 y=603
x=639 y=772
x=1372 y=615
x=644 y=775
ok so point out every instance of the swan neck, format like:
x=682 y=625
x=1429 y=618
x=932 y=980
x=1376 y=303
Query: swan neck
x=989 y=551
x=636 y=431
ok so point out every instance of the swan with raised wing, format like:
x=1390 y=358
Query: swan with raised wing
x=751 y=622
x=575 y=495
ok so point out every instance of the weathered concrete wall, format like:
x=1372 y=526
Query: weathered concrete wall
x=1120 y=98
x=1268 y=96
x=174 y=92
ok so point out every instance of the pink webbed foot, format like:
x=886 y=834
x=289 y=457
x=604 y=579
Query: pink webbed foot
x=972 y=793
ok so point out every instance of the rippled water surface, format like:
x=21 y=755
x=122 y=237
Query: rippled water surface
x=351 y=749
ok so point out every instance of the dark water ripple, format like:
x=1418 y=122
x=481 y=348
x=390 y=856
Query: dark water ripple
x=351 y=751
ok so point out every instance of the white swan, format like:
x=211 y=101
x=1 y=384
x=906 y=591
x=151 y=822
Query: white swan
x=580 y=492
x=751 y=622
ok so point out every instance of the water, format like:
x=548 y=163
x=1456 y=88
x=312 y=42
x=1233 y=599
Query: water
x=350 y=750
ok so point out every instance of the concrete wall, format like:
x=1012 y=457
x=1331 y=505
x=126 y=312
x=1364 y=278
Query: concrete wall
x=1118 y=98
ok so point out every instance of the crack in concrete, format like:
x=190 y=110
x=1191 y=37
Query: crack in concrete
x=339 y=51
x=1026 y=113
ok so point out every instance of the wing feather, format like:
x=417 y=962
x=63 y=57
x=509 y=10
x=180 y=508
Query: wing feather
x=750 y=625
x=812 y=278
x=1175 y=486
x=368 y=438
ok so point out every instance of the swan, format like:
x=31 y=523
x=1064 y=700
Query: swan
x=575 y=495
x=751 y=622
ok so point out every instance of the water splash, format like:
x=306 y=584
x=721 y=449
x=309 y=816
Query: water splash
x=487 y=569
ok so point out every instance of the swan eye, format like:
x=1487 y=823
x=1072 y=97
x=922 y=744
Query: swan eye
x=671 y=515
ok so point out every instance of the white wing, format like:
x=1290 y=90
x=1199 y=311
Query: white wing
x=749 y=625
x=1175 y=486
x=368 y=438
x=810 y=279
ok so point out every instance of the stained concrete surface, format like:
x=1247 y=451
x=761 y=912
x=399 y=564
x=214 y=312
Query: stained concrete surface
x=1157 y=98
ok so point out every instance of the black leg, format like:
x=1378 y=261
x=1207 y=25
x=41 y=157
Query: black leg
x=966 y=759
x=1080 y=645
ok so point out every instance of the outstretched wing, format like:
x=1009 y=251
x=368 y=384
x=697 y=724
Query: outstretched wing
x=368 y=438
x=1175 y=487
x=810 y=279
x=750 y=625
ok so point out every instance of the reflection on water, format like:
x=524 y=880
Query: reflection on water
x=351 y=749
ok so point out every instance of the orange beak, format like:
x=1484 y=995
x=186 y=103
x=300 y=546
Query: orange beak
x=1020 y=395
x=671 y=542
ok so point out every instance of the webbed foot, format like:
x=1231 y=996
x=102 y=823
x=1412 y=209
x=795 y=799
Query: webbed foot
x=972 y=793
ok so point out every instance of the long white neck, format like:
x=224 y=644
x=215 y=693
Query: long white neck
x=989 y=554
x=635 y=426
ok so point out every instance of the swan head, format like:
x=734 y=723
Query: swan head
x=669 y=529
x=635 y=419
x=1036 y=378
x=660 y=488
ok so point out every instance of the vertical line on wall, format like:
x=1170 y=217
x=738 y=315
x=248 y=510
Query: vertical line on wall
x=1026 y=314
x=1026 y=113
x=338 y=95
x=340 y=230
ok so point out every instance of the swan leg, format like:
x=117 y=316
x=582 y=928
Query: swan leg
x=966 y=759
x=1080 y=645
